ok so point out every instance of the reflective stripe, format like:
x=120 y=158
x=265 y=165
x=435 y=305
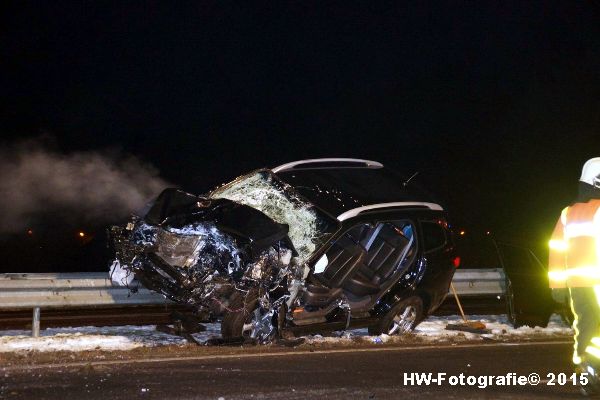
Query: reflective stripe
x=558 y=245
x=574 y=230
x=583 y=272
x=597 y=249
x=576 y=359
x=594 y=351
x=557 y=276
x=597 y=292
x=563 y=215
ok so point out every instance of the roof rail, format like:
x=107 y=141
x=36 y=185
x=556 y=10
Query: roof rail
x=355 y=211
x=306 y=163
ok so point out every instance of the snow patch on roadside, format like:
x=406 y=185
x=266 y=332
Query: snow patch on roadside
x=87 y=338
x=498 y=325
x=66 y=342
x=431 y=330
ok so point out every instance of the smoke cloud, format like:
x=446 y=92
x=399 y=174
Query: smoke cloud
x=37 y=183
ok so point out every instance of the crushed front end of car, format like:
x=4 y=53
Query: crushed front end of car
x=253 y=235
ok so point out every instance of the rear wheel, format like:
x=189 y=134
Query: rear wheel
x=246 y=318
x=402 y=318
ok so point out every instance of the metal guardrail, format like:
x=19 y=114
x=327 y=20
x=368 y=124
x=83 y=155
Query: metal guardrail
x=25 y=291
x=476 y=282
x=64 y=290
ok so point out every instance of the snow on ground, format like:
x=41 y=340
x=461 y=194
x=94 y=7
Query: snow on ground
x=129 y=337
x=498 y=325
x=433 y=329
x=94 y=338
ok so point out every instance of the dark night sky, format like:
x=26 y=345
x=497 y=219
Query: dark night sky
x=496 y=105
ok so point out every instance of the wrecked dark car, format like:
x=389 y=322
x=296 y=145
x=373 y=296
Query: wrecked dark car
x=310 y=246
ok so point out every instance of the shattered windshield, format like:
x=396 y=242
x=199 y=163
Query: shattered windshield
x=308 y=226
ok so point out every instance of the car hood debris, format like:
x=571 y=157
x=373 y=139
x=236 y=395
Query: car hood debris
x=255 y=232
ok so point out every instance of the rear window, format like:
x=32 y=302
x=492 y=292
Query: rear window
x=434 y=235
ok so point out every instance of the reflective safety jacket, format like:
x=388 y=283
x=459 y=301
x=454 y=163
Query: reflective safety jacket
x=575 y=247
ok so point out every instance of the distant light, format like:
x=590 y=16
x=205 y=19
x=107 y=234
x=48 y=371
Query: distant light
x=487 y=233
x=30 y=232
x=81 y=234
x=462 y=233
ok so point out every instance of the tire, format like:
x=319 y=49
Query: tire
x=240 y=322
x=401 y=319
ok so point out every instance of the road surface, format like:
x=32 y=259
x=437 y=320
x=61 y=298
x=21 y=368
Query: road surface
x=365 y=373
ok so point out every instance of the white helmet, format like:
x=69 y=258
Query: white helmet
x=590 y=173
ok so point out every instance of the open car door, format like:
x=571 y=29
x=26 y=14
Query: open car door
x=528 y=298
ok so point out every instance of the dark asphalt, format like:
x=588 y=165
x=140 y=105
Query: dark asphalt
x=351 y=374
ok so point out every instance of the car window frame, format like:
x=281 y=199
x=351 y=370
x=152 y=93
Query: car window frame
x=440 y=226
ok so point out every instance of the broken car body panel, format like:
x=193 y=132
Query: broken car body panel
x=318 y=245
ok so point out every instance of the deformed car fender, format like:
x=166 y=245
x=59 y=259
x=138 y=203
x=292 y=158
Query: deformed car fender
x=197 y=251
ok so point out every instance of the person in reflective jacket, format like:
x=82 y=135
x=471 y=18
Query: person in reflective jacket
x=574 y=265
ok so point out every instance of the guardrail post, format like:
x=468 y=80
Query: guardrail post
x=35 y=325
